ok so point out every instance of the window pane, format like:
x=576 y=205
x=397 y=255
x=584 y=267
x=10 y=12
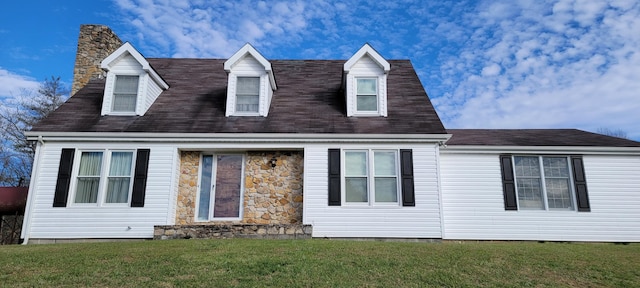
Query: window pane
x=126 y=85
x=247 y=103
x=527 y=166
x=555 y=167
x=386 y=189
x=367 y=86
x=367 y=103
x=87 y=190
x=124 y=102
x=125 y=93
x=121 y=164
x=356 y=163
x=90 y=164
x=558 y=195
x=385 y=163
x=228 y=184
x=118 y=190
x=356 y=189
x=248 y=86
x=530 y=193
x=205 y=188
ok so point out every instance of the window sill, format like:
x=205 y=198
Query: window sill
x=371 y=206
x=367 y=114
x=121 y=114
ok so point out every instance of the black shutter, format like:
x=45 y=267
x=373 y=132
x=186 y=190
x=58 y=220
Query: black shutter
x=140 y=178
x=334 y=177
x=406 y=173
x=64 y=178
x=508 y=183
x=580 y=182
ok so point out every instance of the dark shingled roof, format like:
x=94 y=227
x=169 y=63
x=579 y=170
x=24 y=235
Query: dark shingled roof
x=309 y=99
x=535 y=137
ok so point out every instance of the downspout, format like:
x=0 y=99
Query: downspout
x=35 y=170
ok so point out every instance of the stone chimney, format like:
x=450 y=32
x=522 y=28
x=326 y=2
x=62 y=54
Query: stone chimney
x=95 y=43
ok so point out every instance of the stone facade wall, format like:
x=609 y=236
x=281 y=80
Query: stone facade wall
x=187 y=187
x=223 y=231
x=95 y=43
x=272 y=195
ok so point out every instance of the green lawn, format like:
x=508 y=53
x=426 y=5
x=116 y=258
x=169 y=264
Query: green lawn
x=319 y=263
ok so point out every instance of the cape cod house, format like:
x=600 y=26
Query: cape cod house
x=254 y=147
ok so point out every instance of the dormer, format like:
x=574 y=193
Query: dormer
x=366 y=83
x=132 y=84
x=250 y=83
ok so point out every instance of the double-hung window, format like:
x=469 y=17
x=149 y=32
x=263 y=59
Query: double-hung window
x=543 y=183
x=371 y=176
x=366 y=94
x=125 y=94
x=104 y=177
x=248 y=95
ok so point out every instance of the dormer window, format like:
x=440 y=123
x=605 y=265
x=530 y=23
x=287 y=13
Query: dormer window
x=125 y=93
x=250 y=84
x=367 y=94
x=366 y=83
x=132 y=84
x=248 y=95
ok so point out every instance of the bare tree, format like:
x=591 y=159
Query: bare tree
x=16 y=153
x=612 y=132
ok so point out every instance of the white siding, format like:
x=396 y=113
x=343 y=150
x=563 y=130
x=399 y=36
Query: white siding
x=366 y=65
x=150 y=94
x=473 y=205
x=72 y=221
x=127 y=63
x=421 y=221
x=248 y=65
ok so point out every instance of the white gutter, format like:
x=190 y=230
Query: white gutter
x=234 y=137
x=33 y=183
x=490 y=149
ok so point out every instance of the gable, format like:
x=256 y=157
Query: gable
x=366 y=65
x=247 y=63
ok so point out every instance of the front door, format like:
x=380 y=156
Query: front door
x=220 y=193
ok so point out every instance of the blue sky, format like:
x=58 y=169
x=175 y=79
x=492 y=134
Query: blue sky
x=484 y=64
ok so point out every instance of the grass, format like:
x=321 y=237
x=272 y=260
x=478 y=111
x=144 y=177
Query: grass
x=319 y=263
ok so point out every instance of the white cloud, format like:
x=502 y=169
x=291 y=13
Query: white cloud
x=491 y=70
x=573 y=65
x=14 y=85
x=202 y=29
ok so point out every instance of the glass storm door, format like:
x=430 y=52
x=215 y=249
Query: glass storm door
x=221 y=198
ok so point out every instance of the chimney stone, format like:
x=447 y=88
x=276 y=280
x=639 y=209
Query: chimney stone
x=95 y=43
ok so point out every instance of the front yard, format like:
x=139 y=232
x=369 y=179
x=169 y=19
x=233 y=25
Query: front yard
x=319 y=263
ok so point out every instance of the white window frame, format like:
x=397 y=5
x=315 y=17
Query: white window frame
x=370 y=179
x=112 y=95
x=377 y=94
x=543 y=183
x=214 y=173
x=101 y=199
x=235 y=95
